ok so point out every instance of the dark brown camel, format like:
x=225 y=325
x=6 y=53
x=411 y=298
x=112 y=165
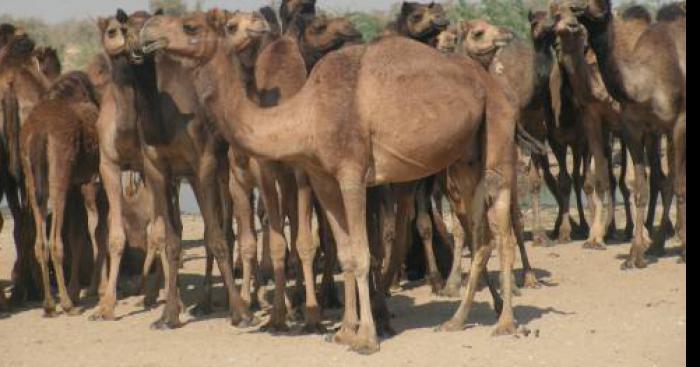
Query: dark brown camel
x=646 y=74
x=49 y=63
x=59 y=149
x=21 y=87
x=336 y=151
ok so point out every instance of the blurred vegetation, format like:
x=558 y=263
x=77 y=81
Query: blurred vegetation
x=78 y=40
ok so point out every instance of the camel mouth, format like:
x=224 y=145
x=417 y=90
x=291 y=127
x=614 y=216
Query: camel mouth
x=151 y=46
x=256 y=33
x=441 y=23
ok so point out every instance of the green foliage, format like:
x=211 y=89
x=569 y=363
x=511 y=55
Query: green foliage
x=173 y=7
x=370 y=25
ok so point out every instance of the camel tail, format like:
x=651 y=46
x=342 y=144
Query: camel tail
x=10 y=107
x=527 y=141
x=269 y=14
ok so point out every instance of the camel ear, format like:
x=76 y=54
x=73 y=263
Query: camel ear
x=159 y=11
x=102 y=23
x=530 y=16
x=122 y=17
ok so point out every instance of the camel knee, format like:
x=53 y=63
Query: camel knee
x=117 y=243
x=57 y=251
x=425 y=226
x=40 y=252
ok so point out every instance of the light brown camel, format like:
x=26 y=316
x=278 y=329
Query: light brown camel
x=154 y=109
x=21 y=86
x=315 y=38
x=346 y=146
x=59 y=149
x=647 y=76
x=511 y=62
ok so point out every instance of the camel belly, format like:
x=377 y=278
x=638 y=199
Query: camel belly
x=399 y=160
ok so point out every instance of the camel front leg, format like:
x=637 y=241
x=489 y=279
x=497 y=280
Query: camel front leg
x=680 y=179
x=329 y=293
x=278 y=249
x=353 y=191
x=247 y=243
x=562 y=226
x=110 y=173
x=625 y=191
x=98 y=280
x=405 y=210
x=597 y=186
x=425 y=230
x=215 y=239
x=306 y=247
x=640 y=197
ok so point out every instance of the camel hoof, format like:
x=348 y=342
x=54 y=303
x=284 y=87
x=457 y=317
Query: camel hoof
x=102 y=316
x=594 y=245
x=504 y=329
x=541 y=239
x=50 y=313
x=74 y=311
x=344 y=336
x=246 y=322
x=564 y=239
x=451 y=326
x=640 y=263
x=166 y=324
x=451 y=290
x=202 y=309
x=436 y=283
x=530 y=281
x=275 y=327
x=365 y=347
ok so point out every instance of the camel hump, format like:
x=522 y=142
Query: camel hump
x=75 y=86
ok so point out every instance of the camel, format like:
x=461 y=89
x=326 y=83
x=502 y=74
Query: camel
x=601 y=116
x=672 y=12
x=346 y=147
x=48 y=60
x=150 y=121
x=21 y=87
x=646 y=74
x=421 y=22
x=57 y=135
x=304 y=43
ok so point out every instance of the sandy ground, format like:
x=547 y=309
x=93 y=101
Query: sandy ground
x=590 y=313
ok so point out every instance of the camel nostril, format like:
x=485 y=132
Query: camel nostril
x=573 y=27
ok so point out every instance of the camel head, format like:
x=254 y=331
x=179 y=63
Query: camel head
x=243 y=29
x=192 y=39
x=113 y=31
x=570 y=33
x=482 y=39
x=49 y=63
x=324 y=34
x=291 y=10
x=7 y=31
x=637 y=13
x=17 y=51
x=422 y=22
x=594 y=11
x=541 y=27
x=449 y=39
x=120 y=34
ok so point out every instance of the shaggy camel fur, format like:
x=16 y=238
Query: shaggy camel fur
x=58 y=134
x=646 y=74
x=346 y=147
x=315 y=38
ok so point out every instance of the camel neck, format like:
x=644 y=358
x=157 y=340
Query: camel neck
x=612 y=63
x=574 y=63
x=275 y=133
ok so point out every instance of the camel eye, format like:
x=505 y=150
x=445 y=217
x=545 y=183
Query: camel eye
x=112 y=33
x=479 y=34
x=190 y=29
x=232 y=28
x=417 y=18
x=320 y=28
